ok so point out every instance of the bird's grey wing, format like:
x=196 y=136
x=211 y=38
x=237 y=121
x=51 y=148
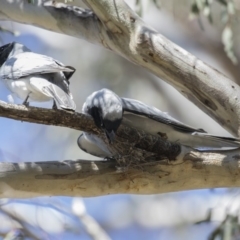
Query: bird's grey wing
x=68 y=74
x=29 y=63
x=93 y=145
x=211 y=142
x=157 y=122
x=55 y=79
x=139 y=108
x=62 y=98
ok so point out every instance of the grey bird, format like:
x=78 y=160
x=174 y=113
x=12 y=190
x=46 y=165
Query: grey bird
x=109 y=111
x=35 y=77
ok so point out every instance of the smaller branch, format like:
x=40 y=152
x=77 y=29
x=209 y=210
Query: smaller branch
x=94 y=230
x=25 y=227
x=141 y=142
x=45 y=116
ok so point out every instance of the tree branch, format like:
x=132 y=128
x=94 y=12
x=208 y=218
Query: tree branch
x=84 y=178
x=116 y=27
x=53 y=16
x=24 y=226
x=45 y=116
x=129 y=141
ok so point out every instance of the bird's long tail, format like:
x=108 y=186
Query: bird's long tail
x=62 y=99
x=207 y=142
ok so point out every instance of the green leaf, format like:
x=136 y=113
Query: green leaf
x=210 y=19
x=200 y=4
x=195 y=9
x=138 y=4
x=206 y=11
x=227 y=40
x=223 y=2
x=157 y=3
x=231 y=8
x=224 y=17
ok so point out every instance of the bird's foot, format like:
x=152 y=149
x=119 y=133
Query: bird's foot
x=25 y=102
x=54 y=107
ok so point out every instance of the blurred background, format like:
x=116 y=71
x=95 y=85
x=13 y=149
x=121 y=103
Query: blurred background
x=184 y=215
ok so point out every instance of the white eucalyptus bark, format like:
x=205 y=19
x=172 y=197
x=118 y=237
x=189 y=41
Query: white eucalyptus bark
x=82 y=178
x=115 y=26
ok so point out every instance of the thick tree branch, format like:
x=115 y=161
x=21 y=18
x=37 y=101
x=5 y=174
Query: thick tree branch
x=115 y=26
x=53 y=16
x=83 y=178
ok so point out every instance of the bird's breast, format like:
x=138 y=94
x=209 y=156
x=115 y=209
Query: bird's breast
x=22 y=88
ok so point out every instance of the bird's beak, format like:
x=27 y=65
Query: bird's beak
x=110 y=136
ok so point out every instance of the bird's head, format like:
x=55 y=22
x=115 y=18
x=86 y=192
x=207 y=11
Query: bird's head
x=106 y=109
x=11 y=49
x=5 y=51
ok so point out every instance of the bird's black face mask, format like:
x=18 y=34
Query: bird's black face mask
x=110 y=127
x=97 y=116
x=4 y=52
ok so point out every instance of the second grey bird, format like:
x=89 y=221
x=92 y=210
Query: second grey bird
x=35 y=77
x=109 y=111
